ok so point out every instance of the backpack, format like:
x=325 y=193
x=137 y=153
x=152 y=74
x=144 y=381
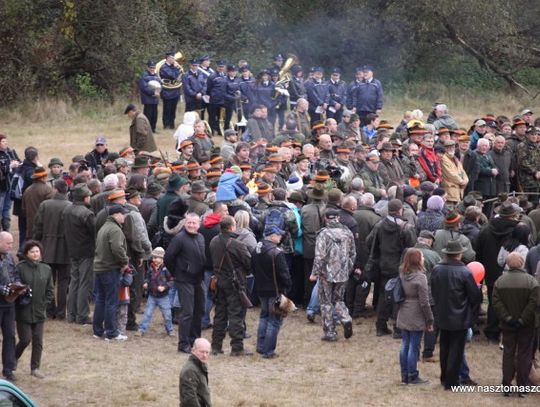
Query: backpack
x=275 y=216
x=17 y=184
x=393 y=291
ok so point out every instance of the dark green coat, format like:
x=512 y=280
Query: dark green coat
x=485 y=182
x=200 y=208
x=111 y=247
x=516 y=296
x=39 y=277
x=193 y=386
x=49 y=229
x=163 y=203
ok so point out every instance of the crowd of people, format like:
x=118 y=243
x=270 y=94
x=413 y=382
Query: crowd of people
x=316 y=205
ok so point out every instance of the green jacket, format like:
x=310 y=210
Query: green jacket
x=516 y=295
x=373 y=182
x=39 y=277
x=193 y=386
x=431 y=259
x=111 y=247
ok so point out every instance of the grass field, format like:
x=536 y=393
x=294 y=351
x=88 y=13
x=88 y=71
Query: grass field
x=82 y=371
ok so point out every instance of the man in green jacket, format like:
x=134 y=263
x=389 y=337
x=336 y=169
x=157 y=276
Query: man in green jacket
x=194 y=391
x=109 y=261
x=515 y=298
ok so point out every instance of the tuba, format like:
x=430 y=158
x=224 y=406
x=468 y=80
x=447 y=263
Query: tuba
x=176 y=83
x=284 y=75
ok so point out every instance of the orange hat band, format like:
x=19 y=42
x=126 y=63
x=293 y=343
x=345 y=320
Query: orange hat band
x=40 y=174
x=321 y=178
x=116 y=195
x=126 y=152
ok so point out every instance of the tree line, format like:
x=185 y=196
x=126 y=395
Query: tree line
x=97 y=48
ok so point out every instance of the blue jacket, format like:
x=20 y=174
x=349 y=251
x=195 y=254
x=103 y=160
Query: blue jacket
x=193 y=83
x=369 y=96
x=351 y=93
x=231 y=87
x=171 y=73
x=474 y=140
x=230 y=187
x=338 y=93
x=147 y=92
x=317 y=94
x=263 y=95
x=246 y=89
x=216 y=88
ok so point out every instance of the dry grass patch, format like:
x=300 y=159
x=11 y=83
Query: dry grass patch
x=83 y=371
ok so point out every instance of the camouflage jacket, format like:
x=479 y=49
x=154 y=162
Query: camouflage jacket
x=528 y=158
x=335 y=253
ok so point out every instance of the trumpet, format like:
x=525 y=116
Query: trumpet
x=175 y=83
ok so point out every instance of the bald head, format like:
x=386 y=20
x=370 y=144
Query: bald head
x=349 y=204
x=6 y=242
x=201 y=349
x=325 y=141
x=515 y=261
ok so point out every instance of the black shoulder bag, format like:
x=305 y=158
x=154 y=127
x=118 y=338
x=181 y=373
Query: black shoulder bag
x=237 y=281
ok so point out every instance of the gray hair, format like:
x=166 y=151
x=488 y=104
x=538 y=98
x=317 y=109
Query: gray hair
x=367 y=199
x=192 y=215
x=483 y=141
x=302 y=100
x=442 y=108
x=307 y=146
x=110 y=182
x=357 y=184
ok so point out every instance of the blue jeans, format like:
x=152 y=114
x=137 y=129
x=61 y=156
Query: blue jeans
x=107 y=287
x=313 y=306
x=5 y=209
x=164 y=305
x=209 y=299
x=269 y=325
x=408 y=353
x=173 y=297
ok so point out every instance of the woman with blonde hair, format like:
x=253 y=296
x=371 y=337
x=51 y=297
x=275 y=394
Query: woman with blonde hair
x=244 y=232
x=414 y=314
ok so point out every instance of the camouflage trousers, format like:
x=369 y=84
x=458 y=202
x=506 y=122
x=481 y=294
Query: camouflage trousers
x=331 y=299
